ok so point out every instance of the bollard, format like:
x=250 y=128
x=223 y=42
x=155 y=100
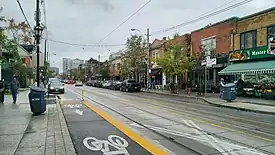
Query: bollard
x=82 y=94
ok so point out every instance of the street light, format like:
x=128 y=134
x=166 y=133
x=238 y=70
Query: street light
x=37 y=32
x=148 y=54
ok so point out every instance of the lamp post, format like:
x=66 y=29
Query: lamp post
x=38 y=32
x=148 y=54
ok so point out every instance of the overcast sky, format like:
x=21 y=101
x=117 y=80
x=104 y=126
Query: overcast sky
x=88 y=21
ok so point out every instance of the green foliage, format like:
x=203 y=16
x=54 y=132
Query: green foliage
x=176 y=60
x=133 y=57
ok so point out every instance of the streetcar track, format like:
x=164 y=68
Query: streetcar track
x=245 y=126
x=236 y=125
x=221 y=137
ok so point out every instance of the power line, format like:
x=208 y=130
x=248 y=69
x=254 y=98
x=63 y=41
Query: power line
x=84 y=45
x=203 y=16
x=26 y=19
x=125 y=21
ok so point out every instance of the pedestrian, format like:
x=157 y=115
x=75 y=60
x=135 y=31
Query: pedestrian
x=14 y=89
x=2 y=91
x=188 y=87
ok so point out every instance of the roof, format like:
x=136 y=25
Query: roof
x=218 y=23
x=257 y=13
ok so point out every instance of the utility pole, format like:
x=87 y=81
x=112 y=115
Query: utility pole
x=148 y=60
x=98 y=65
x=37 y=40
x=45 y=60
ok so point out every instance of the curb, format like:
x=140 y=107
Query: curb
x=215 y=104
x=69 y=147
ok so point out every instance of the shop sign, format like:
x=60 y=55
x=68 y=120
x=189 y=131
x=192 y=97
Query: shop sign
x=253 y=53
x=272 y=45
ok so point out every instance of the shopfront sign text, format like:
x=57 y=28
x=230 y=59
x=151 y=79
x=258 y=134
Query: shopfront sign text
x=253 y=53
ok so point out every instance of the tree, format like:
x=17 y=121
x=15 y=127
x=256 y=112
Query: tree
x=20 y=31
x=176 y=60
x=133 y=57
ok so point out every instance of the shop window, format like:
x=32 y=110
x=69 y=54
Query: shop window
x=249 y=39
x=270 y=33
x=209 y=46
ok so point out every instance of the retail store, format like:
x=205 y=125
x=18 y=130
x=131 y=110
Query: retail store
x=255 y=67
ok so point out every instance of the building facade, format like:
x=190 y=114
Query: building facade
x=212 y=42
x=253 y=57
x=158 y=48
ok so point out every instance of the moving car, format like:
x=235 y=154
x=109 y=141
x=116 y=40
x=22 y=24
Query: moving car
x=78 y=84
x=130 y=85
x=56 y=87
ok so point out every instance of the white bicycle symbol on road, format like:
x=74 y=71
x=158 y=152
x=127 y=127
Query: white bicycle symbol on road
x=115 y=141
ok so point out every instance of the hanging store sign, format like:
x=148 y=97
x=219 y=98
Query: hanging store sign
x=272 y=45
x=253 y=53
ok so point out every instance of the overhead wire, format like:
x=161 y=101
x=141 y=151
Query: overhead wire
x=26 y=19
x=133 y=14
x=203 y=16
x=84 y=45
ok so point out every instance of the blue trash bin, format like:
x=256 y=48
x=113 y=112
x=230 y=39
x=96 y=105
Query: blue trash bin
x=228 y=92
x=37 y=100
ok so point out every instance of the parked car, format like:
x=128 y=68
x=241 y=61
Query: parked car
x=130 y=85
x=115 y=85
x=71 y=82
x=89 y=83
x=78 y=84
x=99 y=84
x=107 y=84
x=56 y=87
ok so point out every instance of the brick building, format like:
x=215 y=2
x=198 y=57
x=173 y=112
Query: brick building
x=253 y=57
x=158 y=49
x=214 y=40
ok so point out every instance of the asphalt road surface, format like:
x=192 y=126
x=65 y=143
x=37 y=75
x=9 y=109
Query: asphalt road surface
x=185 y=125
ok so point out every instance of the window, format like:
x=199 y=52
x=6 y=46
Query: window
x=248 y=40
x=270 y=33
x=209 y=45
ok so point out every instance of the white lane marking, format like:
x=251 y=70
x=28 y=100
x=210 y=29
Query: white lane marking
x=211 y=140
x=137 y=125
x=114 y=141
x=195 y=137
x=73 y=105
x=227 y=145
x=79 y=112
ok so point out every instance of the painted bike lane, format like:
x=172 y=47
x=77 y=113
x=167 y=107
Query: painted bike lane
x=95 y=132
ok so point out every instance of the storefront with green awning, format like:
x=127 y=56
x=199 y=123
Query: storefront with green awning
x=256 y=67
x=250 y=62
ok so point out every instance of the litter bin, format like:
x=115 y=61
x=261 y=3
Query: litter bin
x=228 y=92
x=37 y=100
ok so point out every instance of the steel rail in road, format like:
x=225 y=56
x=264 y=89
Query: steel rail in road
x=174 y=120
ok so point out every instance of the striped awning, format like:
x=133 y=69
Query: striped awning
x=249 y=68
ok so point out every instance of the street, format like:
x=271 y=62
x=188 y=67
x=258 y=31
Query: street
x=181 y=125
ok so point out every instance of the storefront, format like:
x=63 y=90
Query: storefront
x=255 y=66
x=156 y=76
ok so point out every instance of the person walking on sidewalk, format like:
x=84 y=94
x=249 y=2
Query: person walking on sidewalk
x=14 y=89
x=2 y=91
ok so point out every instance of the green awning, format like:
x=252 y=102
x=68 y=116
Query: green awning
x=249 y=67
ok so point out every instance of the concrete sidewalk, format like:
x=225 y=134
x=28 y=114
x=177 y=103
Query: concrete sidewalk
x=23 y=133
x=246 y=104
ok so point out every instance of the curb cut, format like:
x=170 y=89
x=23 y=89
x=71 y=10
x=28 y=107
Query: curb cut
x=215 y=104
